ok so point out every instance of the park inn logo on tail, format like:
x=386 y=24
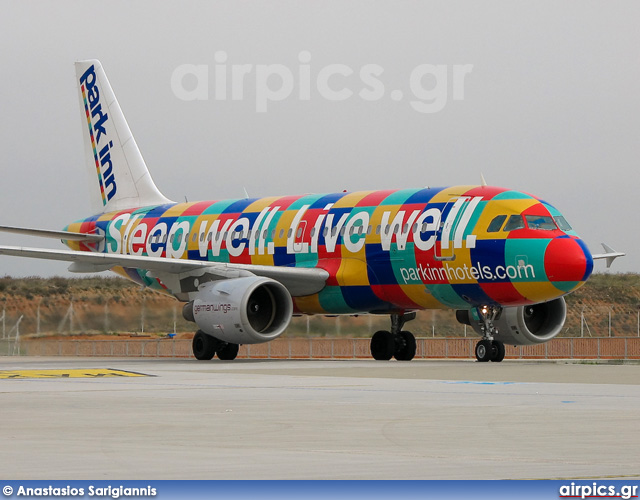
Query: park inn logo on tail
x=96 y=119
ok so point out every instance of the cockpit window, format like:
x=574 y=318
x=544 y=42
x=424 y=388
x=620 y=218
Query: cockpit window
x=563 y=224
x=496 y=224
x=514 y=222
x=541 y=222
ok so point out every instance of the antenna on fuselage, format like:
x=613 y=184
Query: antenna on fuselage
x=246 y=194
x=484 y=182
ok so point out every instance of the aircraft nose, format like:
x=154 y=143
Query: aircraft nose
x=567 y=262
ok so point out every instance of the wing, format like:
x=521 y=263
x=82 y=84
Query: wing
x=299 y=281
x=610 y=255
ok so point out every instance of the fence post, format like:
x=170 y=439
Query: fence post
x=571 y=349
x=546 y=350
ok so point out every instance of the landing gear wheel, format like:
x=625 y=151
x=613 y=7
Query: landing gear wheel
x=383 y=346
x=485 y=350
x=406 y=349
x=228 y=352
x=499 y=351
x=203 y=345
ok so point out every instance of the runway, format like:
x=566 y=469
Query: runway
x=252 y=419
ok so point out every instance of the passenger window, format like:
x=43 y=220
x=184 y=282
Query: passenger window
x=514 y=222
x=496 y=224
x=540 y=222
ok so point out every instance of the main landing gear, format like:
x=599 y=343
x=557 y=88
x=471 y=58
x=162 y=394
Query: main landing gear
x=396 y=343
x=489 y=349
x=205 y=347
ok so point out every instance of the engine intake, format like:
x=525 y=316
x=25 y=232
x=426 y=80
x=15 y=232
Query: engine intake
x=247 y=310
x=523 y=325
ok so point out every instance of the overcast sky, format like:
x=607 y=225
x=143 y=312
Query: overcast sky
x=550 y=106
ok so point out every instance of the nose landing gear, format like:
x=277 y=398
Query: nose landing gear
x=489 y=349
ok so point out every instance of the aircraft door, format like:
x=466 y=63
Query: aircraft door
x=456 y=217
x=445 y=251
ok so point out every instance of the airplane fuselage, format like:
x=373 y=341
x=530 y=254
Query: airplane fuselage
x=458 y=247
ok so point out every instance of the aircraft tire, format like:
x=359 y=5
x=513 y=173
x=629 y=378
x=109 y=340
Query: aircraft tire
x=203 y=346
x=383 y=346
x=228 y=352
x=499 y=351
x=407 y=349
x=484 y=350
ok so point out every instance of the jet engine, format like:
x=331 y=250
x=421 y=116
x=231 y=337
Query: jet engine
x=248 y=310
x=523 y=325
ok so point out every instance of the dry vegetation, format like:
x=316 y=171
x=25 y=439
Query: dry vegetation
x=114 y=306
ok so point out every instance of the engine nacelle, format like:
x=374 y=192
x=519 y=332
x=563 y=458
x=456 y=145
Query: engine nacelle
x=247 y=310
x=523 y=325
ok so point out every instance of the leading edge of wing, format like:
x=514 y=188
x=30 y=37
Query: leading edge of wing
x=299 y=281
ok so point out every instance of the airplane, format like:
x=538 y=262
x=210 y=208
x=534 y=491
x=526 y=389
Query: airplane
x=502 y=259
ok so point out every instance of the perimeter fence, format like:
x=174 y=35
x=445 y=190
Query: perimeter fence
x=324 y=348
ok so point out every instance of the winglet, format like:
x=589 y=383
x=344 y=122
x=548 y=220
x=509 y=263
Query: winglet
x=610 y=255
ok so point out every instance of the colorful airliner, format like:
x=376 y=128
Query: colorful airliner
x=502 y=259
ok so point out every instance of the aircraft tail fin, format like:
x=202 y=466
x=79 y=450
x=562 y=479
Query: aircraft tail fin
x=110 y=149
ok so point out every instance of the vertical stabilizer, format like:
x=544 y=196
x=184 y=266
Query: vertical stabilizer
x=111 y=151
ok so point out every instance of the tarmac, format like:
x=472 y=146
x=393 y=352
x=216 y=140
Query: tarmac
x=99 y=418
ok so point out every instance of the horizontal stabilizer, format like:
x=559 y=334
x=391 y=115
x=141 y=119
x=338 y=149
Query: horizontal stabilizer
x=58 y=235
x=610 y=255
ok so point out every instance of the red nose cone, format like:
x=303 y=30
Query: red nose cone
x=567 y=260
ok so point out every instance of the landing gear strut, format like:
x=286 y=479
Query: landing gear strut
x=489 y=349
x=205 y=347
x=396 y=343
